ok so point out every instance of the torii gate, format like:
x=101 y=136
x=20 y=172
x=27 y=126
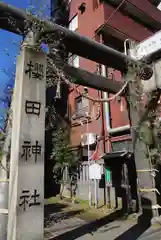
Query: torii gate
x=87 y=49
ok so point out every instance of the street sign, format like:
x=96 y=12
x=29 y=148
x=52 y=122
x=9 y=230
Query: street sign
x=142 y=50
x=95 y=171
x=26 y=187
x=146 y=47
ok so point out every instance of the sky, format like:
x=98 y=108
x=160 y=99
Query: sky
x=9 y=48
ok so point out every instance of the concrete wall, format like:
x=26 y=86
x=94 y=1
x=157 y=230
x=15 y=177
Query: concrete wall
x=83 y=187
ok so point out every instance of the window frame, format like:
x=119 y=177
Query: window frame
x=72 y=21
x=80 y=112
x=74 y=61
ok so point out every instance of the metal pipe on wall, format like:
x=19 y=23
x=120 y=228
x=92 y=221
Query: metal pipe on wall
x=107 y=107
x=103 y=124
x=111 y=130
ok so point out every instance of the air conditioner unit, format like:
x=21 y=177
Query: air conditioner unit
x=88 y=139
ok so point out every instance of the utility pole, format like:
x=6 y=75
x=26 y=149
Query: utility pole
x=88 y=152
x=89 y=163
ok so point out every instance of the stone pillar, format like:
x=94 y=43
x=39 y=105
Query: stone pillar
x=145 y=181
x=26 y=187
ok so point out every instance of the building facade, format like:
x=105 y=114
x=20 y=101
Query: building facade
x=111 y=22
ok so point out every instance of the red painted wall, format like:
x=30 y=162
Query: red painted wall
x=125 y=25
x=89 y=22
x=148 y=8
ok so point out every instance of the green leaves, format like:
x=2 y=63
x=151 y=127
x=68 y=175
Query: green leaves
x=62 y=155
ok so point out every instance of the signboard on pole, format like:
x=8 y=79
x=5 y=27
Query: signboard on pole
x=108 y=176
x=147 y=47
x=95 y=171
x=26 y=188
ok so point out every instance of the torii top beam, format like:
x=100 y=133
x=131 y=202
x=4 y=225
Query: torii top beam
x=18 y=21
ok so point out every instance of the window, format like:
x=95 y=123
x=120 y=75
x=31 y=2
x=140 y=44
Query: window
x=74 y=61
x=113 y=42
x=81 y=106
x=78 y=103
x=73 y=24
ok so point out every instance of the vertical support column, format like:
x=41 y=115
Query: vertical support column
x=147 y=199
x=26 y=188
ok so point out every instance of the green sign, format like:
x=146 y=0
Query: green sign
x=108 y=175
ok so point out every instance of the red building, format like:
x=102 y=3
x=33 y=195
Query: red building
x=110 y=22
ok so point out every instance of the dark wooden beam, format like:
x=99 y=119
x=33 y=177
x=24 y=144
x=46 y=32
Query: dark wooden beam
x=18 y=21
x=92 y=80
x=14 y=19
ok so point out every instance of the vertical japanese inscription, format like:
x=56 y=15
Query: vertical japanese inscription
x=32 y=107
x=29 y=149
x=28 y=199
x=35 y=70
